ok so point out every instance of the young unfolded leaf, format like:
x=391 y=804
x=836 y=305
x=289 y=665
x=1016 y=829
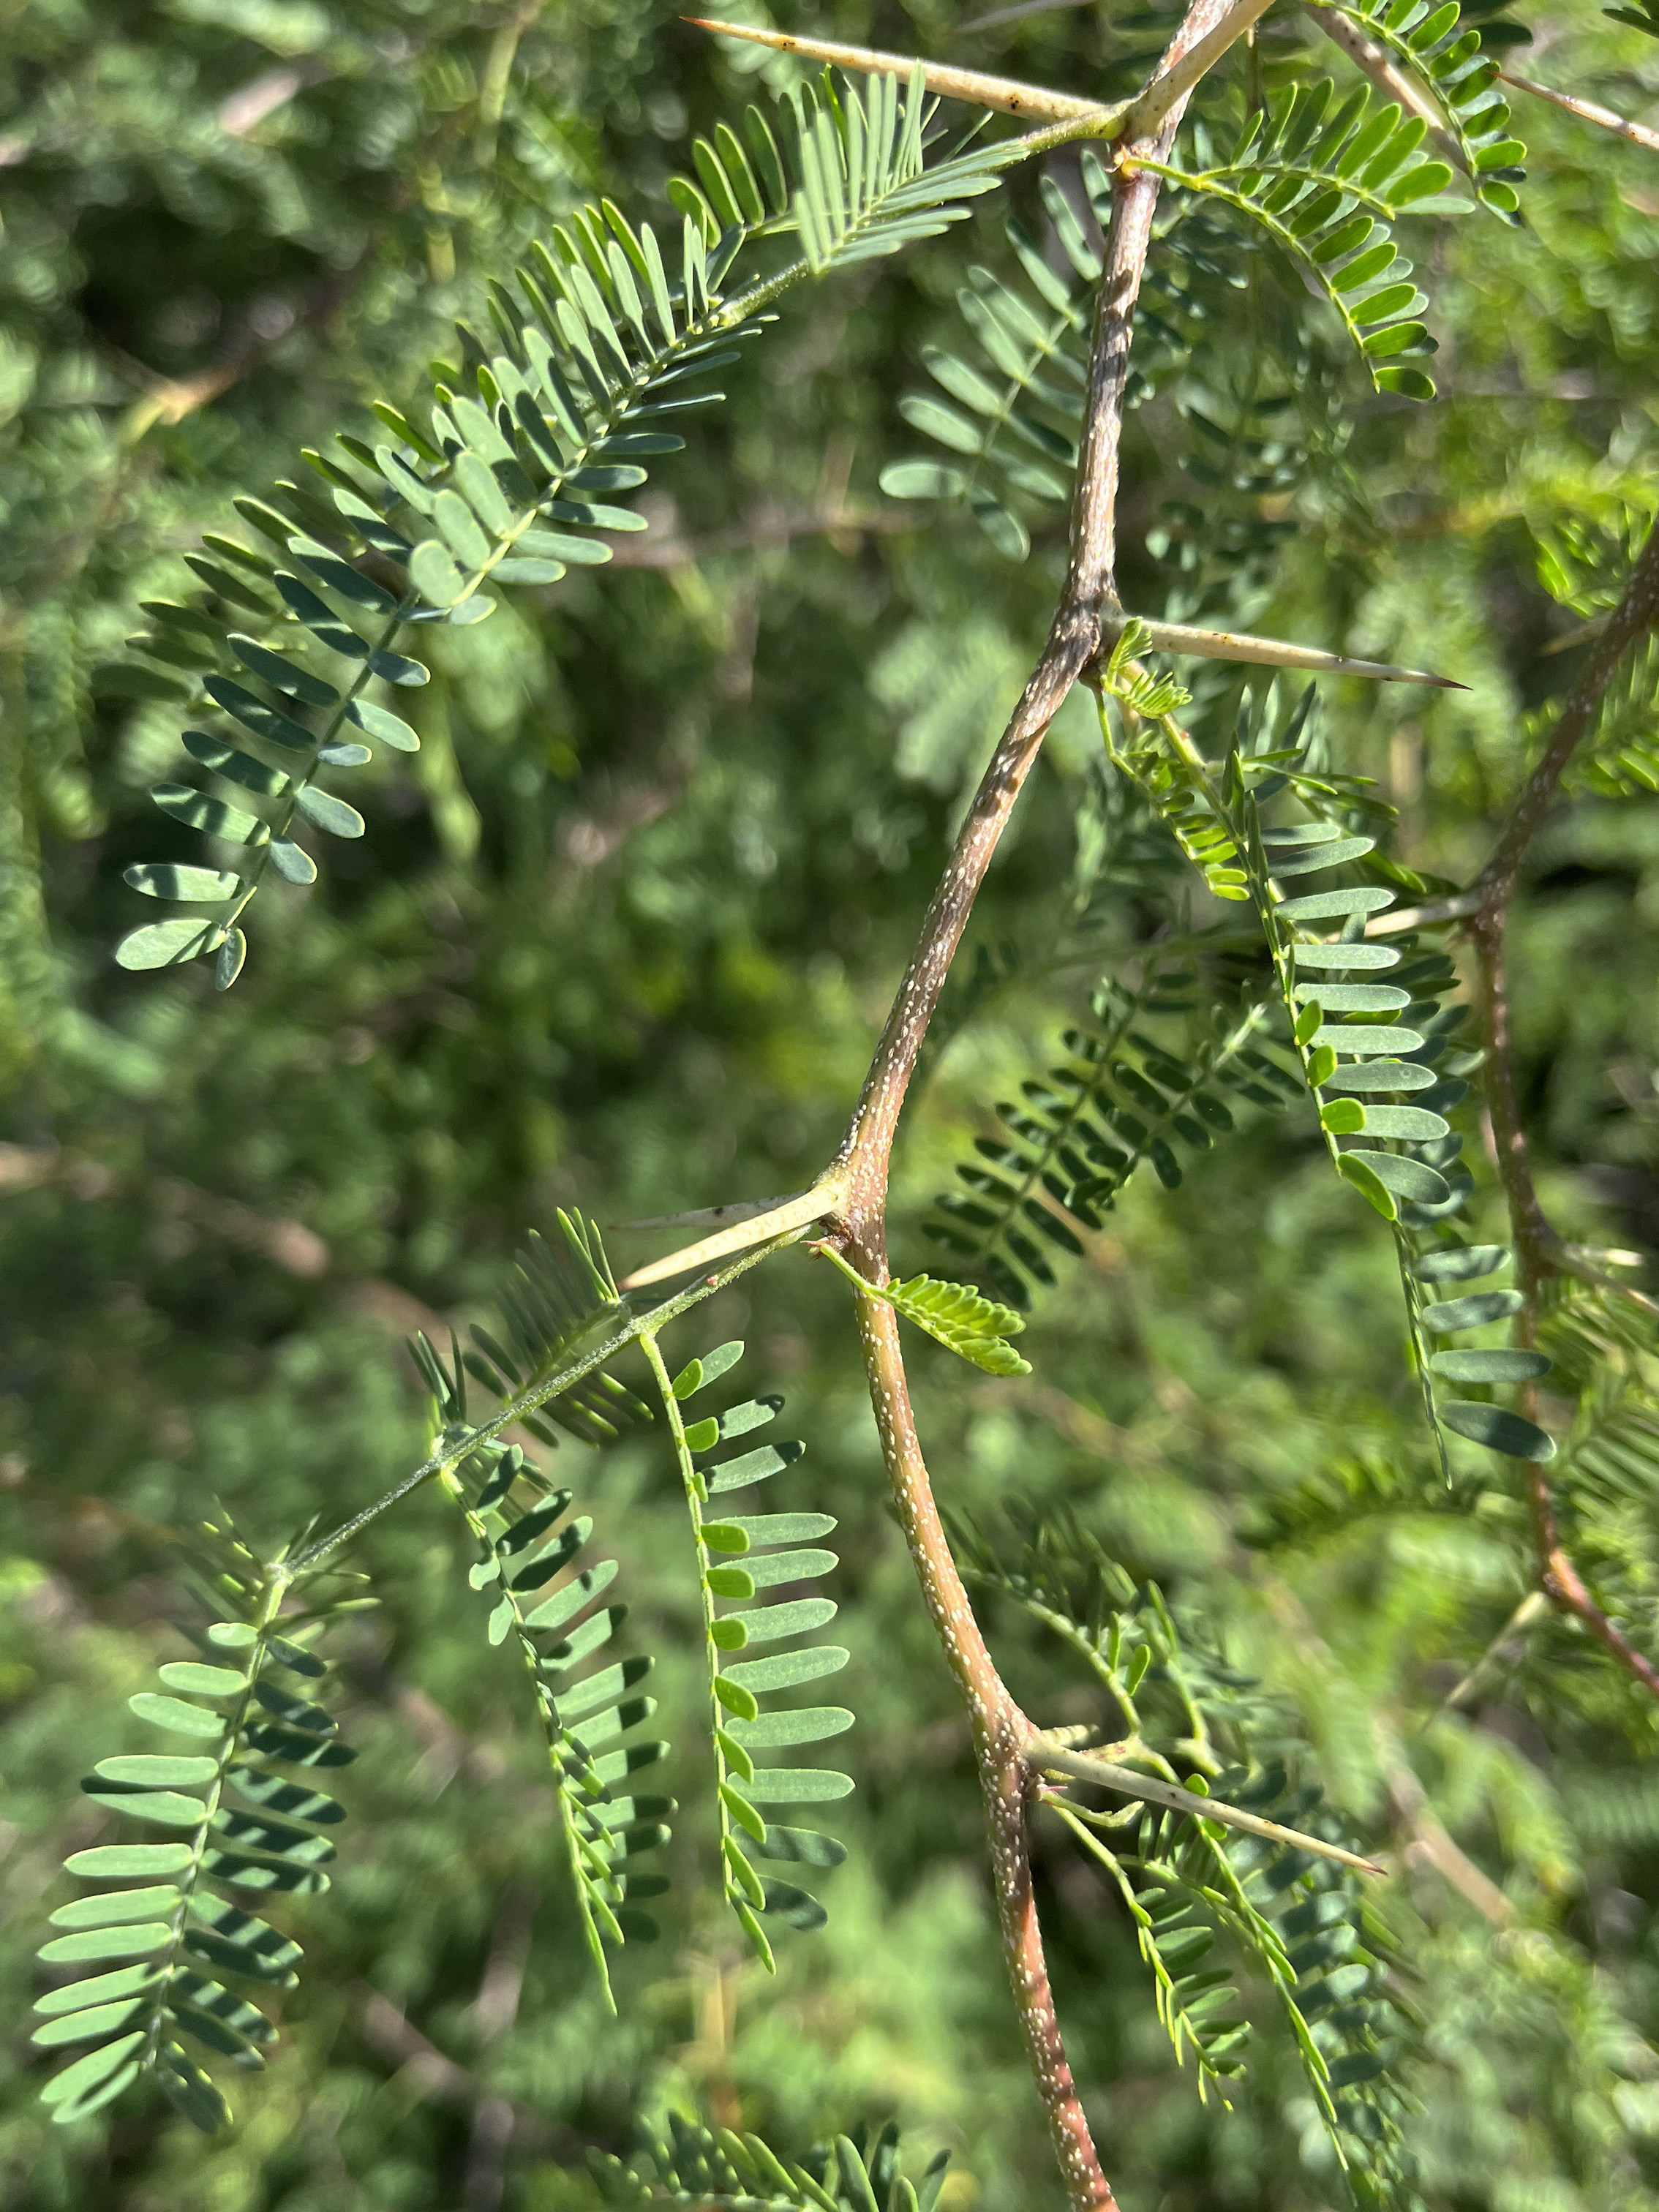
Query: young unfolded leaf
x=962 y=1319
x=954 y=1314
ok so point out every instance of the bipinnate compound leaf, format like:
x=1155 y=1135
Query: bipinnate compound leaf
x=526 y=1539
x=244 y=1823
x=508 y=477
x=722 y=2172
x=740 y=1555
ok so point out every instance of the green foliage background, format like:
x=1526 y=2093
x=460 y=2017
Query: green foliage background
x=621 y=934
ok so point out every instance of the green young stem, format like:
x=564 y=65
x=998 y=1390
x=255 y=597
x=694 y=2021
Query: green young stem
x=627 y=1327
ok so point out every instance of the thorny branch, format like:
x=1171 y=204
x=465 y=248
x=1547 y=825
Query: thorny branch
x=1002 y=1733
x=1538 y=1249
x=850 y=1197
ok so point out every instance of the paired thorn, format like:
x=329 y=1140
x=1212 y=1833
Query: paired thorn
x=1033 y=103
x=1274 y=652
x=749 y=1224
x=709 y=1217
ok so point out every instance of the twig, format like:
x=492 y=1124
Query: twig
x=767 y=527
x=1536 y=1245
x=246 y=108
x=1169 y=88
x=286 y=1243
x=1567 y=1589
x=1637 y=611
x=1089 y=597
x=1587 y=111
x=385 y=2028
x=170 y=400
x=1429 y=1838
x=1000 y=1732
x=1457 y=908
x=1432 y=1842
x=861 y=1166
x=1504 y=1650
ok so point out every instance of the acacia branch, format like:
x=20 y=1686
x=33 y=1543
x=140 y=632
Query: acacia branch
x=1001 y=1733
x=851 y=1195
x=860 y=1170
x=1088 y=598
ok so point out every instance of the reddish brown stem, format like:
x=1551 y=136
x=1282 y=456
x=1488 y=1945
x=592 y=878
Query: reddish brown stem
x=1565 y=1588
x=1073 y=639
x=866 y=1150
x=1001 y=1731
x=859 y=1172
x=1537 y=1246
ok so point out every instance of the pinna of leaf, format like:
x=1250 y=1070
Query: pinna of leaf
x=963 y=1320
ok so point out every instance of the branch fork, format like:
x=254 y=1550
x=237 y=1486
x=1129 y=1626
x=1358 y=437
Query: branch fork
x=850 y=1197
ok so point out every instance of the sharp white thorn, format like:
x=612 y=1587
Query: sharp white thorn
x=710 y=1217
x=756 y=1225
x=1274 y=653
